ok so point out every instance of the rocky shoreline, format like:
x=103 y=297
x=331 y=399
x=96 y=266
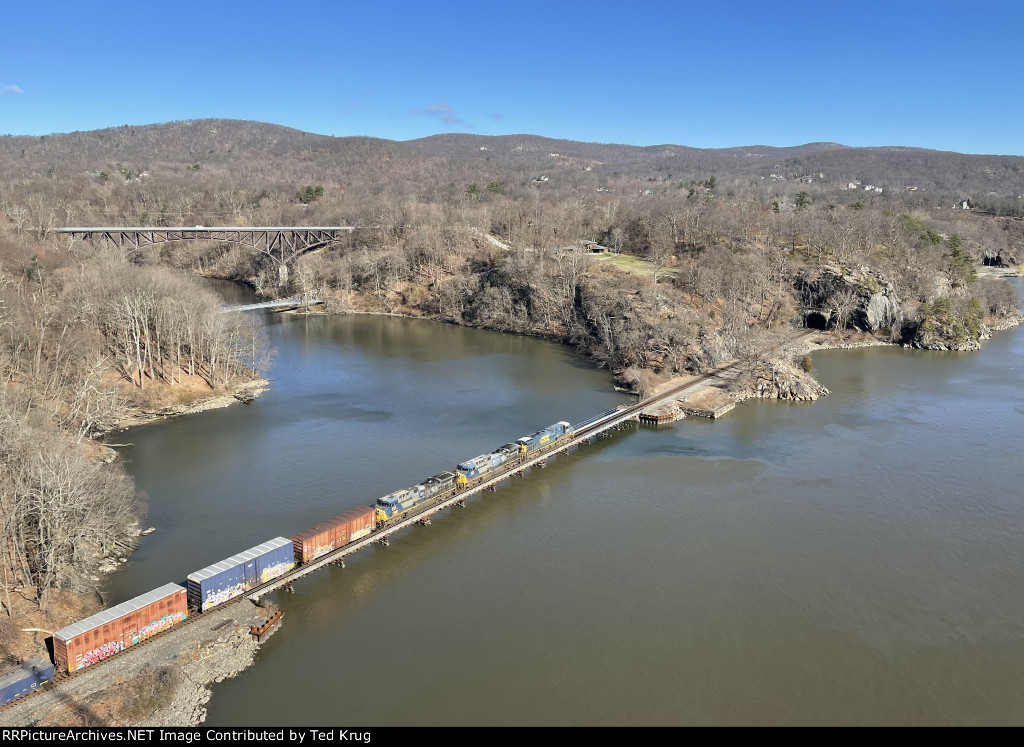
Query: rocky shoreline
x=246 y=392
x=204 y=663
x=778 y=378
x=1013 y=320
x=167 y=682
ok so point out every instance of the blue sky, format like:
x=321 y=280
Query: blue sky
x=939 y=74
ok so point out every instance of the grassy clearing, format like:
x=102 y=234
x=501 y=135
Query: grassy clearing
x=632 y=263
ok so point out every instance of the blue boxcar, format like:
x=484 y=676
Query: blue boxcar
x=24 y=679
x=229 y=578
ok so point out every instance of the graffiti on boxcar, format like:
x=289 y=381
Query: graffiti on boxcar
x=320 y=550
x=97 y=654
x=274 y=571
x=220 y=596
x=156 y=626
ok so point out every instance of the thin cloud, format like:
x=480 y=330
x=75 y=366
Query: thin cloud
x=497 y=116
x=357 y=104
x=9 y=88
x=442 y=111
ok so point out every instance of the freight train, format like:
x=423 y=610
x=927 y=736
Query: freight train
x=401 y=502
x=127 y=624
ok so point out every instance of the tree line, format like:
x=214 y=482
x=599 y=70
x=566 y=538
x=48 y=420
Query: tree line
x=85 y=340
x=61 y=511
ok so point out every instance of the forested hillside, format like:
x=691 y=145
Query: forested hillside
x=225 y=144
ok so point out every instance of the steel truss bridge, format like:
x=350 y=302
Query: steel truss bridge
x=283 y=243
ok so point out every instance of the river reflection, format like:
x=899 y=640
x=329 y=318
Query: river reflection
x=851 y=561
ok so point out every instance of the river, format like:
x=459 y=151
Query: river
x=851 y=561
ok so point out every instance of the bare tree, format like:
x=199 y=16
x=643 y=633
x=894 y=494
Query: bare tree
x=842 y=303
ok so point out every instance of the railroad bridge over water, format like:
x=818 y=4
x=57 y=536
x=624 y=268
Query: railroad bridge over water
x=281 y=243
x=577 y=436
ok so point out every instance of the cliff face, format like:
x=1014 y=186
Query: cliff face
x=960 y=314
x=881 y=310
x=862 y=299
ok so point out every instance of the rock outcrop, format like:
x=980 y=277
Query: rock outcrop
x=881 y=311
x=779 y=380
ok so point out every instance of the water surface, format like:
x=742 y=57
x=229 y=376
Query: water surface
x=851 y=561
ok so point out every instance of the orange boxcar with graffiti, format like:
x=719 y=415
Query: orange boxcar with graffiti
x=106 y=633
x=334 y=533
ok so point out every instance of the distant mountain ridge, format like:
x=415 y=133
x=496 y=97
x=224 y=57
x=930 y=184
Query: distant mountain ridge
x=229 y=143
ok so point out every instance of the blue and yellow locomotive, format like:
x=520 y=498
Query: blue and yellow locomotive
x=401 y=502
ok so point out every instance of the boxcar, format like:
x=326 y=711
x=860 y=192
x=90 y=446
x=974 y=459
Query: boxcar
x=105 y=633
x=334 y=533
x=23 y=679
x=233 y=576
